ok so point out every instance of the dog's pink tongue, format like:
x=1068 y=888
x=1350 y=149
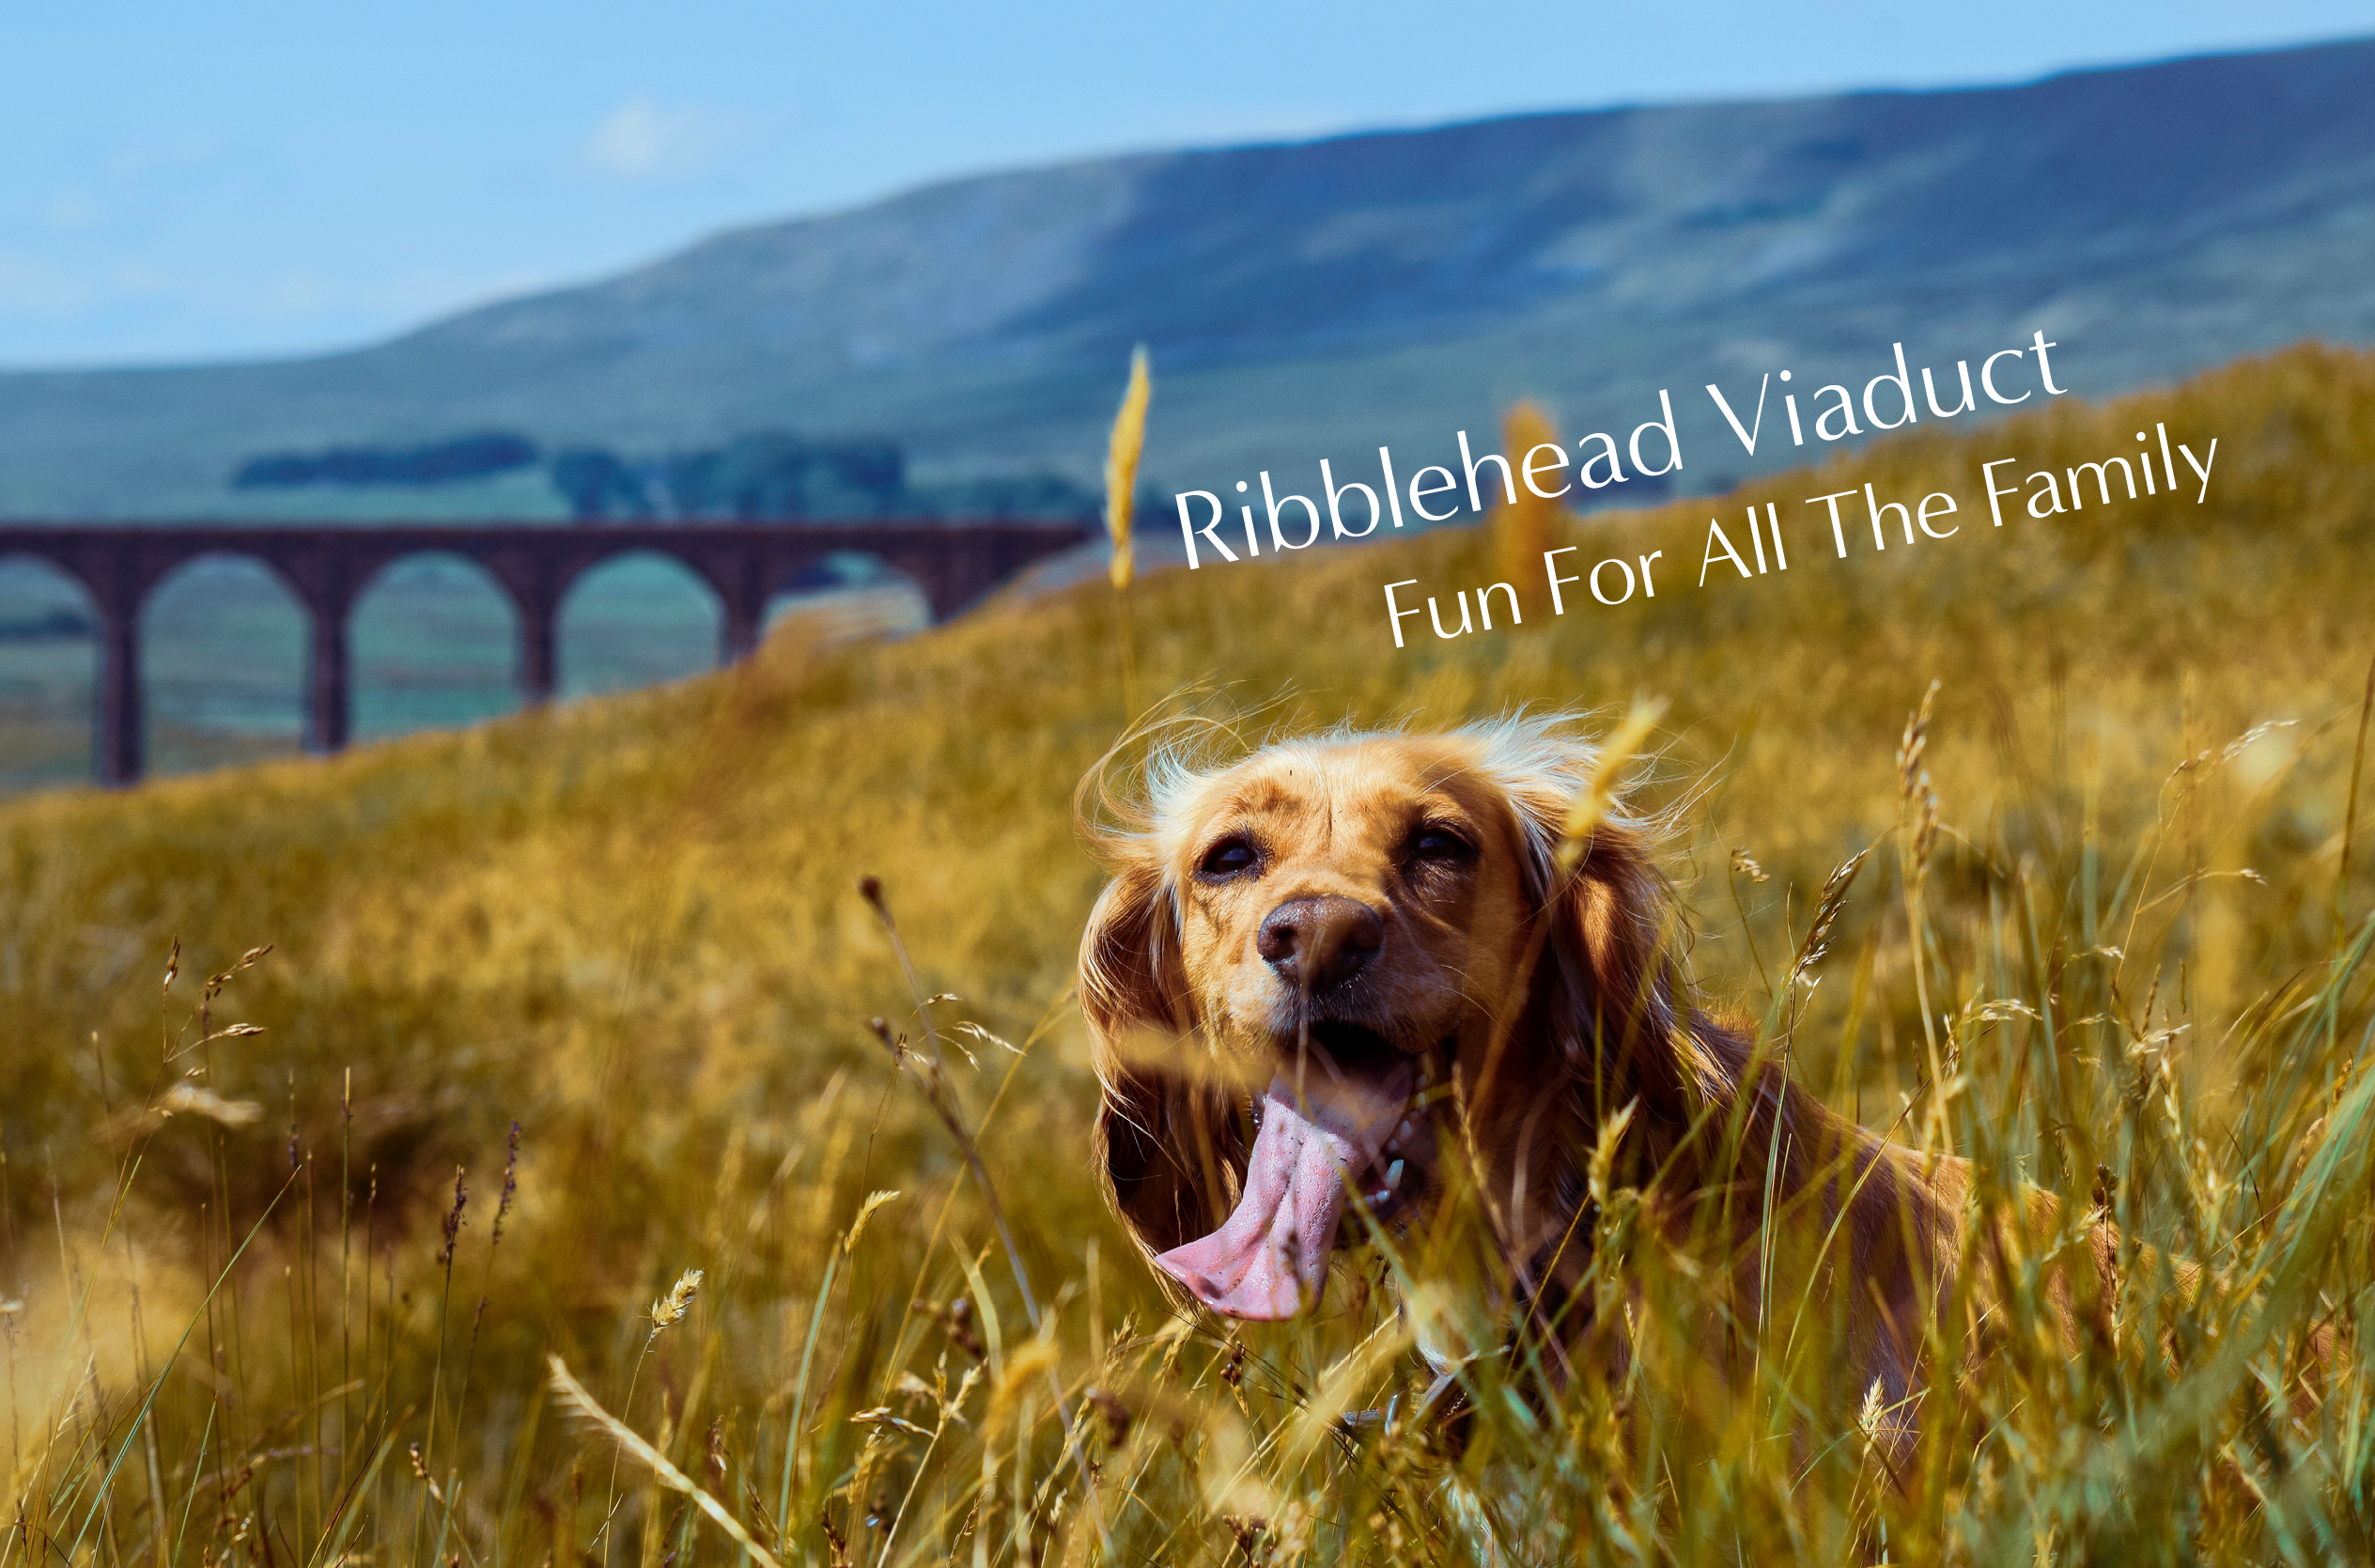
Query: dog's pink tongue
x=1269 y=1260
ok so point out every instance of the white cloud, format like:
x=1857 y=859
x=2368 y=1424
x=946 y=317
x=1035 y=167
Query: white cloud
x=644 y=140
x=72 y=211
x=295 y=294
x=31 y=288
x=167 y=154
x=139 y=278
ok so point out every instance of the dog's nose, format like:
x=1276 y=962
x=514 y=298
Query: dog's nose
x=1319 y=943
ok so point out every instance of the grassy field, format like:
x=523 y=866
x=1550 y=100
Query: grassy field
x=560 y=1008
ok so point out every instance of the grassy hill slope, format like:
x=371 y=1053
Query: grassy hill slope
x=632 y=926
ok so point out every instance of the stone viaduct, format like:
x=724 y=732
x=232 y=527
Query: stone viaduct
x=328 y=566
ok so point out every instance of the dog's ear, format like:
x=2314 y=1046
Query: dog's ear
x=1608 y=975
x=1164 y=1138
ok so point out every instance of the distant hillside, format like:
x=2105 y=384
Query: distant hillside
x=1319 y=298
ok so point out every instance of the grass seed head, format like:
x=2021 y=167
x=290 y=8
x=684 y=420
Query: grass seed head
x=198 y=1100
x=1827 y=906
x=1917 y=739
x=1598 y=796
x=1527 y=527
x=670 y=1310
x=510 y=1182
x=454 y=1220
x=1121 y=465
x=865 y=1212
x=1925 y=830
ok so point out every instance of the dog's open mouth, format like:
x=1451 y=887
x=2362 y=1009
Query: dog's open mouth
x=1333 y=1122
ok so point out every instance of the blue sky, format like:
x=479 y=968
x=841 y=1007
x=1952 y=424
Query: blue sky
x=247 y=180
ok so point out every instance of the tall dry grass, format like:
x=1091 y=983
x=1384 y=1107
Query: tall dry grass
x=284 y=1290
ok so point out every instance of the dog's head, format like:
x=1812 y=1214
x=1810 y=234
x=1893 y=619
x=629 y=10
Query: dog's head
x=1327 y=935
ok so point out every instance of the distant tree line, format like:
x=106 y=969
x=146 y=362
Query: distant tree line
x=776 y=473
x=765 y=474
x=768 y=474
x=470 y=457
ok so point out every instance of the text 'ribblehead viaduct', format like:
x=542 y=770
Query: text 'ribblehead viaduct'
x=329 y=565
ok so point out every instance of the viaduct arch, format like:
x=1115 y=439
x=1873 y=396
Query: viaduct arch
x=328 y=566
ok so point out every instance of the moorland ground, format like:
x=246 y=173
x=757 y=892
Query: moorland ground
x=283 y=1283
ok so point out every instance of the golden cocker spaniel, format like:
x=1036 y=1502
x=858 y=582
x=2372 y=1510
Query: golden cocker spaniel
x=1368 y=950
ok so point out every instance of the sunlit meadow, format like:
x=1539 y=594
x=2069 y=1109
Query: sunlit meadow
x=482 y=1148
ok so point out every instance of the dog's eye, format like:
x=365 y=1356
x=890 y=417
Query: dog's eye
x=1227 y=857
x=1438 y=843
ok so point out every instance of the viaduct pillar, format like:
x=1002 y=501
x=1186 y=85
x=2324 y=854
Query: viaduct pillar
x=121 y=725
x=329 y=693
x=539 y=655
